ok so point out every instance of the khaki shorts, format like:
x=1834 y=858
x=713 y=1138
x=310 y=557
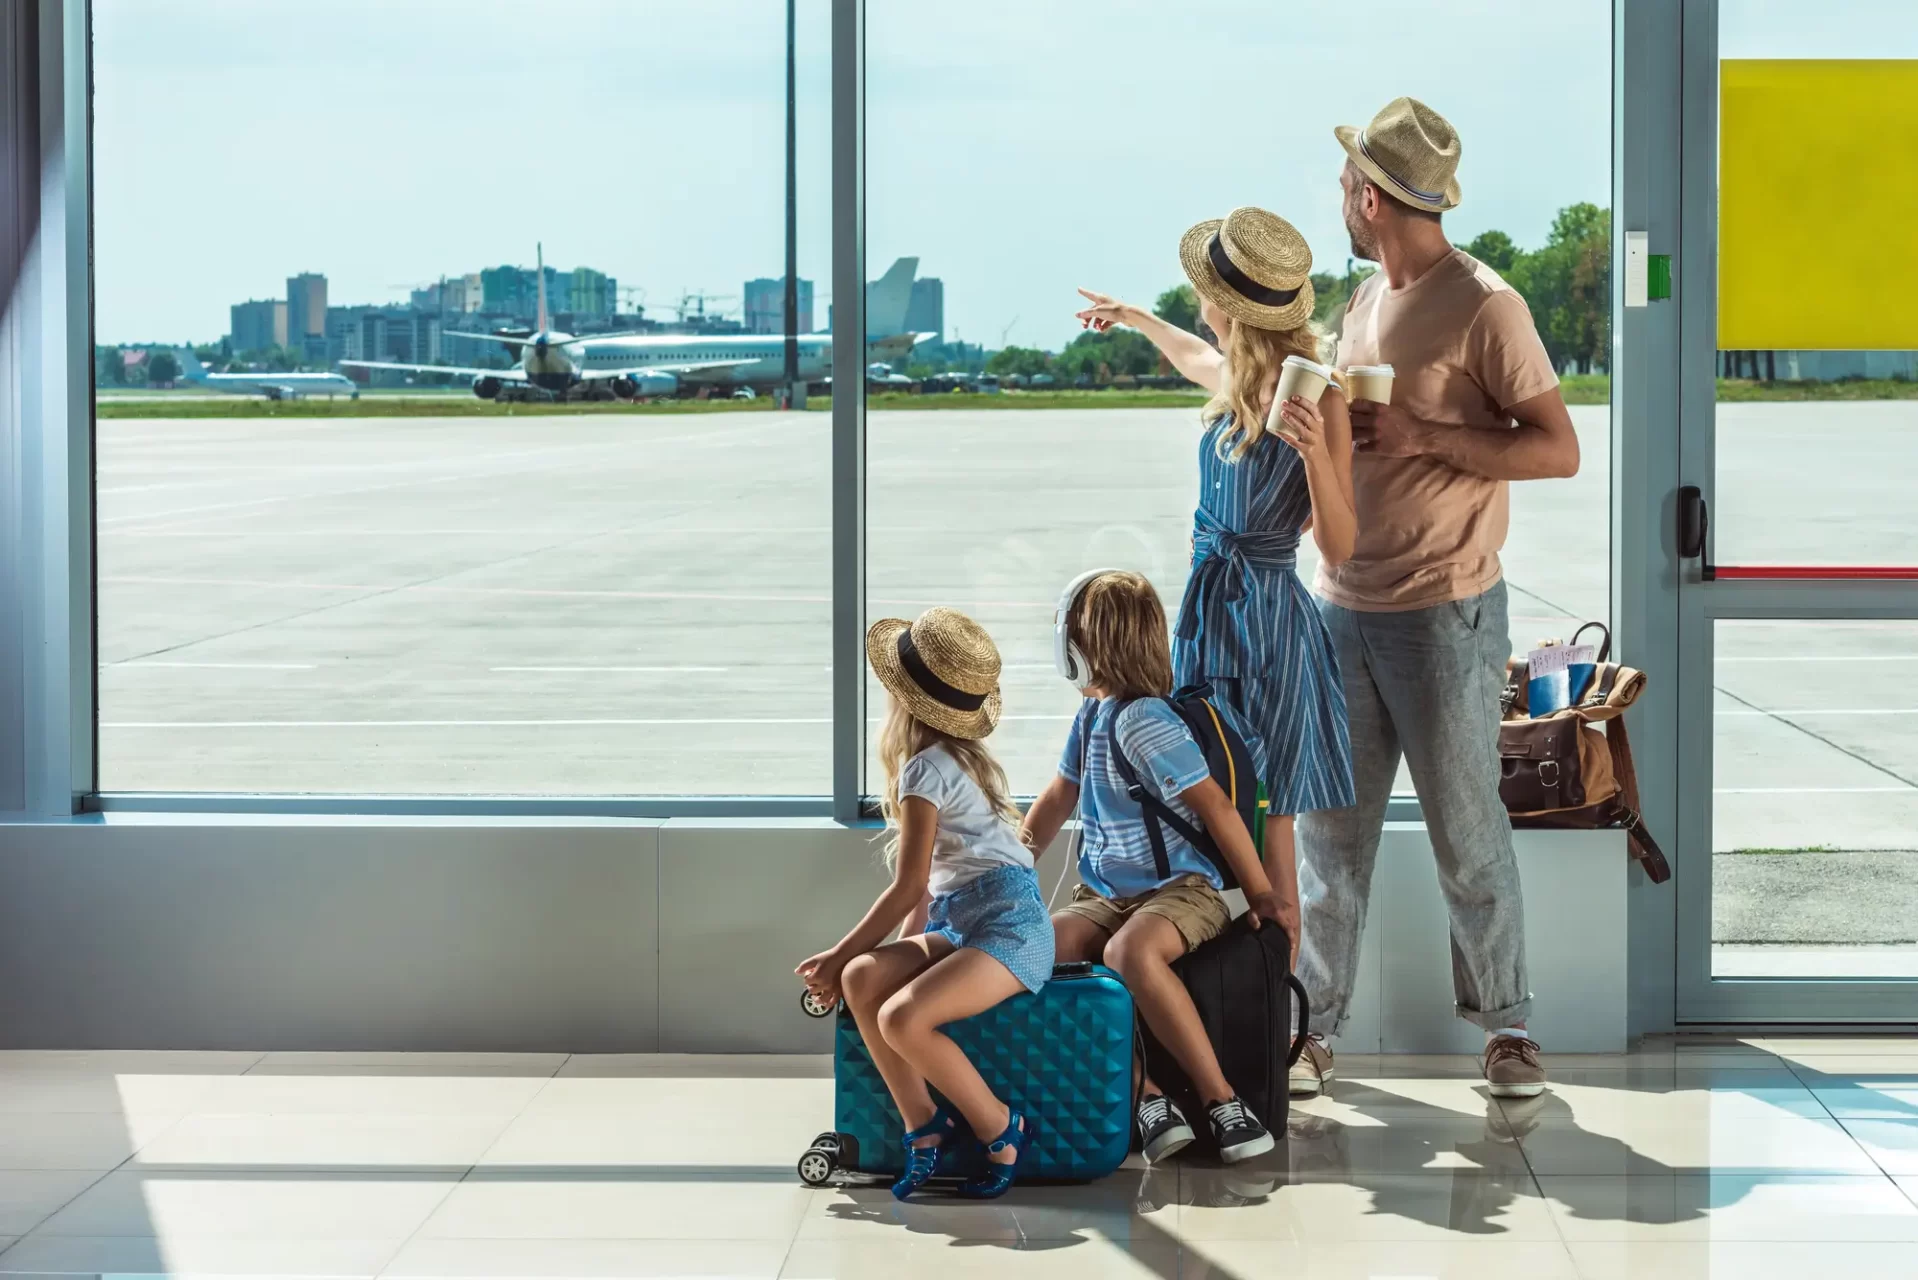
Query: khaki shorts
x=1191 y=903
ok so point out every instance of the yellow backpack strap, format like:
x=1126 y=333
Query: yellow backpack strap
x=1231 y=765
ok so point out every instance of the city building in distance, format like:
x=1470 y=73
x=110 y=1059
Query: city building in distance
x=765 y=302
x=306 y=316
x=926 y=313
x=259 y=325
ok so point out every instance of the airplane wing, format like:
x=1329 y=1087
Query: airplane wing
x=504 y=375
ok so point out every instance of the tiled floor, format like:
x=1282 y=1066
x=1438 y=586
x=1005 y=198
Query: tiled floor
x=1746 y=1159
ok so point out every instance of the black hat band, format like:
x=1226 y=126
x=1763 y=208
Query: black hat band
x=931 y=685
x=1244 y=285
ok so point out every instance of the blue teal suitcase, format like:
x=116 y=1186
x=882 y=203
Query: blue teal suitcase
x=1063 y=1055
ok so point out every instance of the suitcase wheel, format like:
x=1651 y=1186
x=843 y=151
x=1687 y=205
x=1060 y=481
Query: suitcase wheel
x=814 y=1006
x=828 y=1141
x=817 y=1165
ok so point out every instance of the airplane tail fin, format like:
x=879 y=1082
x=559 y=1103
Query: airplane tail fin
x=539 y=257
x=190 y=367
x=888 y=297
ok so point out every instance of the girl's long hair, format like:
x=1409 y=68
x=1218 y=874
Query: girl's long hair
x=1252 y=360
x=904 y=736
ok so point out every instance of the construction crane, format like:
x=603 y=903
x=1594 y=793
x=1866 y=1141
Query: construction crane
x=693 y=303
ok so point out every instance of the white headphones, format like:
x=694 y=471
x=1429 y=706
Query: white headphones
x=1065 y=655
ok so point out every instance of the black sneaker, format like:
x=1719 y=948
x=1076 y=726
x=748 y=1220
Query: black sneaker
x=1163 y=1130
x=1237 y=1131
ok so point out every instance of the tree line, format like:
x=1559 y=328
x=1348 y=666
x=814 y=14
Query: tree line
x=1566 y=282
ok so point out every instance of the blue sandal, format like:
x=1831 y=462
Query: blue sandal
x=923 y=1162
x=997 y=1179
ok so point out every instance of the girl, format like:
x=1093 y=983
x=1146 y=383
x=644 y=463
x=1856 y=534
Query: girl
x=987 y=935
x=1248 y=625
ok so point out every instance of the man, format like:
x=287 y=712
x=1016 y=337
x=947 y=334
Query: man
x=1418 y=614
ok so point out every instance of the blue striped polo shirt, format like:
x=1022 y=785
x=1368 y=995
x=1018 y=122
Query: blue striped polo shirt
x=1115 y=853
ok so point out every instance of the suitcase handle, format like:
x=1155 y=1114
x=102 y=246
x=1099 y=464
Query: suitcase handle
x=1072 y=969
x=1305 y=1013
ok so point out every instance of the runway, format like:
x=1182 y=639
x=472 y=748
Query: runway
x=615 y=606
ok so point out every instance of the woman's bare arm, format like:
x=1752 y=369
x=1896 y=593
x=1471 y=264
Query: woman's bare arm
x=1322 y=433
x=1190 y=354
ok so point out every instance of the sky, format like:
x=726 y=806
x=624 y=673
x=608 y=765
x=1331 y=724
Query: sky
x=1018 y=149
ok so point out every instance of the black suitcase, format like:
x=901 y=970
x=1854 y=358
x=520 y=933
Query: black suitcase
x=1240 y=981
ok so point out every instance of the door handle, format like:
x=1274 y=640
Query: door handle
x=1694 y=521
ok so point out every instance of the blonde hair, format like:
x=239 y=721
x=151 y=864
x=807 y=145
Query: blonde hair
x=1119 y=627
x=1251 y=376
x=903 y=736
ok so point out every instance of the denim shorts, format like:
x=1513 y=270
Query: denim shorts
x=1001 y=914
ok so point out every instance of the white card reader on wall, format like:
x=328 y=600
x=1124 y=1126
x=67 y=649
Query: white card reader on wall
x=1648 y=275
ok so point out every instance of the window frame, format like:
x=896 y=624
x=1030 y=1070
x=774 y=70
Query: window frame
x=67 y=680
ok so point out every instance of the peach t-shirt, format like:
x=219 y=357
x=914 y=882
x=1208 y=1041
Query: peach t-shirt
x=1463 y=350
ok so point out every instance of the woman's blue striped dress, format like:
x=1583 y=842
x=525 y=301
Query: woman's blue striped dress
x=1250 y=628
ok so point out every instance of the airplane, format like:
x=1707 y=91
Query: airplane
x=637 y=366
x=274 y=386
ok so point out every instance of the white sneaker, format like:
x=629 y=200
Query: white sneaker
x=1313 y=1071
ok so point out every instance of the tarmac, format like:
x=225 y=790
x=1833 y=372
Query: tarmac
x=614 y=606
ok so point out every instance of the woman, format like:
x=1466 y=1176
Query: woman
x=1248 y=626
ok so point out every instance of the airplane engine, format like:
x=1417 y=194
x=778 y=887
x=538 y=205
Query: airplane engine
x=486 y=387
x=637 y=385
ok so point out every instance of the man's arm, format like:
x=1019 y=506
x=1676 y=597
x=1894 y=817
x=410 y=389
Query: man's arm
x=1542 y=446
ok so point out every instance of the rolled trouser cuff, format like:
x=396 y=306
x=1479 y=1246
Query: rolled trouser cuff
x=1493 y=1019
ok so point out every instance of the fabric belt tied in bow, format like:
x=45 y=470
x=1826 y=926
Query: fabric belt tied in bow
x=1221 y=559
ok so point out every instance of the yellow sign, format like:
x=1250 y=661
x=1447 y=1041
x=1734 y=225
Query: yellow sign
x=1817 y=195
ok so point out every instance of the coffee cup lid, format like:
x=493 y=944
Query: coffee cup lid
x=1312 y=366
x=1370 y=368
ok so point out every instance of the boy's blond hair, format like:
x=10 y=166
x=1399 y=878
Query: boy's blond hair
x=1119 y=626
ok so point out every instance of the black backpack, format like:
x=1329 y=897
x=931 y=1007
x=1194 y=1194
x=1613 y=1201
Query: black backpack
x=1226 y=755
x=1241 y=984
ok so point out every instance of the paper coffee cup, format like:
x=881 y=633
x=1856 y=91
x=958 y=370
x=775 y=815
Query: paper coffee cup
x=1300 y=377
x=1370 y=382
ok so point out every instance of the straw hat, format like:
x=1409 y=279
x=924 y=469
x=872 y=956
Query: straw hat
x=1411 y=151
x=944 y=667
x=1254 y=266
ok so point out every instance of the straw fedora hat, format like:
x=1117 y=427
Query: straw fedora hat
x=1252 y=265
x=944 y=667
x=1411 y=151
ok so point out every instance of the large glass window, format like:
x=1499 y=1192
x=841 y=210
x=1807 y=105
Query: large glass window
x=333 y=557
x=420 y=590
x=1031 y=150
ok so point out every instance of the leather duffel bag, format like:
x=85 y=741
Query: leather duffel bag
x=1564 y=770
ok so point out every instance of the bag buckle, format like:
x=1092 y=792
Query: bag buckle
x=1548 y=779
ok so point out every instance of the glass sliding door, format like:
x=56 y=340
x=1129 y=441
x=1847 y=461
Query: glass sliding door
x=1799 y=448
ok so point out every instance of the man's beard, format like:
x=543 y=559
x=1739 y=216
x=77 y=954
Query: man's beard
x=1365 y=243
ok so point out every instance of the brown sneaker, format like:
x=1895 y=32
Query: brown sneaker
x=1512 y=1067
x=1313 y=1071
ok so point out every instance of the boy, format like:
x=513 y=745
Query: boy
x=1124 y=914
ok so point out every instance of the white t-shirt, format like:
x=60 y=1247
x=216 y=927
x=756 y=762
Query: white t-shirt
x=971 y=839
